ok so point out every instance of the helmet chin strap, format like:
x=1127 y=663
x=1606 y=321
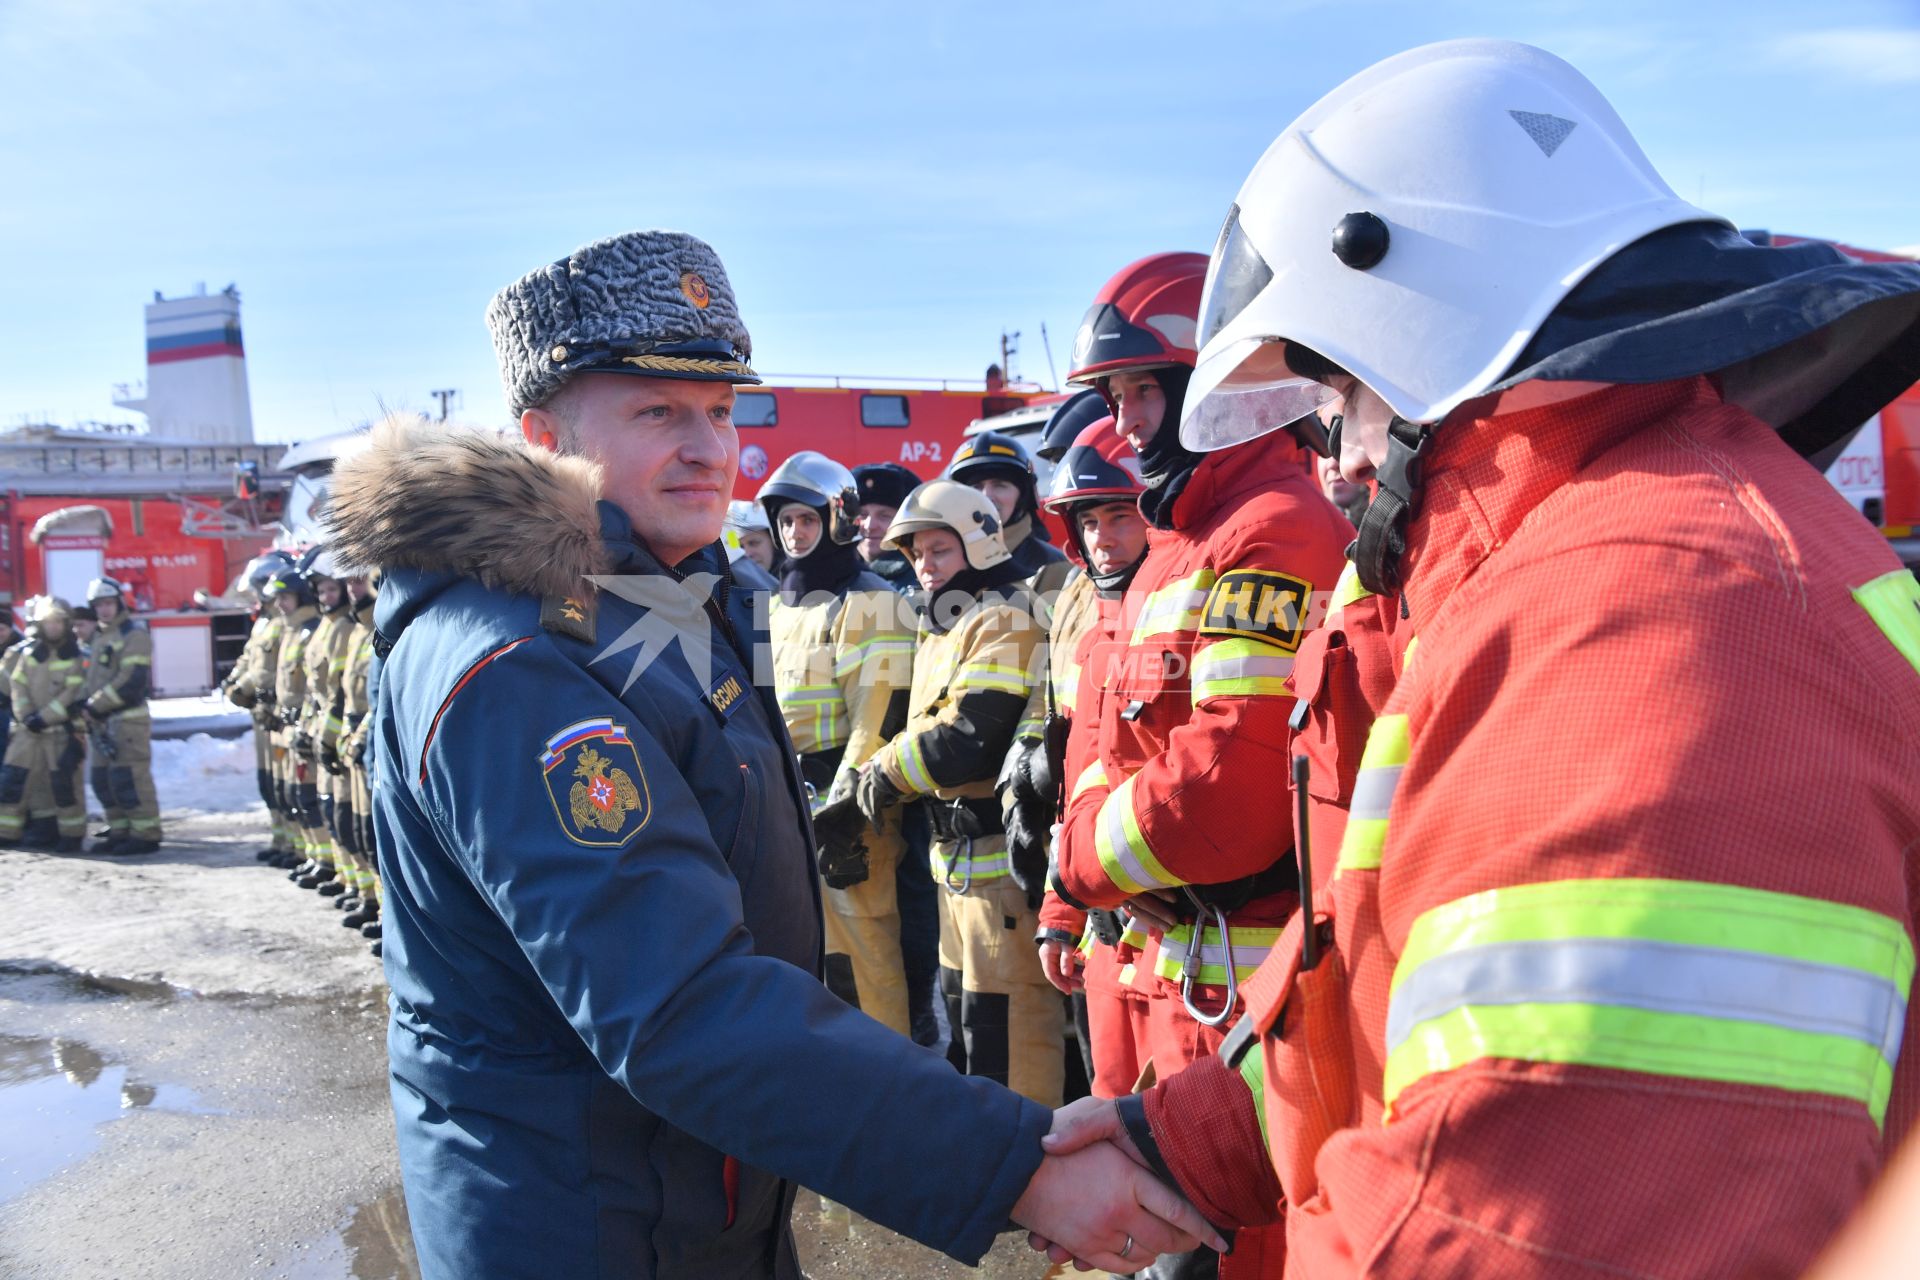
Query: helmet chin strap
x=1383 y=530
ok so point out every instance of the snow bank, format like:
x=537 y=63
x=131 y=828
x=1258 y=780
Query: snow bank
x=204 y=774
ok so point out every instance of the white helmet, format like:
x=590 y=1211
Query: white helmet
x=1414 y=227
x=965 y=512
x=741 y=516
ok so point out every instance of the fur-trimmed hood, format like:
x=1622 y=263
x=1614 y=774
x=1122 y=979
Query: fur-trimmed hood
x=454 y=499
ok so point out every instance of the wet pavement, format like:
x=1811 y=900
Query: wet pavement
x=193 y=1084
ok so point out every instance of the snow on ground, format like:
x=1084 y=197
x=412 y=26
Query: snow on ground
x=205 y=774
x=202 y=713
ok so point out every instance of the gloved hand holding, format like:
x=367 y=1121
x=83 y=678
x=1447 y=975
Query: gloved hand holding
x=35 y=722
x=330 y=758
x=875 y=793
x=1027 y=849
x=303 y=742
x=360 y=750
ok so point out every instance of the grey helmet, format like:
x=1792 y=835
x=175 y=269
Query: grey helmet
x=102 y=588
x=261 y=568
x=818 y=481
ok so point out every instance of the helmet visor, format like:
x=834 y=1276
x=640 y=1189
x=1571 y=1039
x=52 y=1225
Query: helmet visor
x=1244 y=391
x=1107 y=337
x=1235 y=278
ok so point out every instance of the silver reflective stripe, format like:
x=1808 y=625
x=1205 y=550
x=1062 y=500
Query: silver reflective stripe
x=1373 y=791
x=1660 y=977
x=1240 y=668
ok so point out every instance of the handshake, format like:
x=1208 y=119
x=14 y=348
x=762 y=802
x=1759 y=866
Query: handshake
x=1095 y=1202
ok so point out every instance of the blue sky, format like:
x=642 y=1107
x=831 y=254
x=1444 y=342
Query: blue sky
x=890 y=185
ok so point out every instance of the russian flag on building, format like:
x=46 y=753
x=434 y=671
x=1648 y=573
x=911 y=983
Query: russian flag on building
x=575 y=734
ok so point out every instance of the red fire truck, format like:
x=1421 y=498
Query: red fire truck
x=917 y=424
x=163 y=518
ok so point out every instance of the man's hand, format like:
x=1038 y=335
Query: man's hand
x=1156 y=908
x=875 y=794
x=1060 y=962
x=1102 y=1210
x=35 y=722
x=1083 y=1122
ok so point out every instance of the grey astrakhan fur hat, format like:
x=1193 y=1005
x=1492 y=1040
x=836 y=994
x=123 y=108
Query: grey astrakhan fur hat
x=655 y=304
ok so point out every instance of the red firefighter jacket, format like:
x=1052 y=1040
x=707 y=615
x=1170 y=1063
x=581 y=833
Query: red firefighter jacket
x=1193 y=725
x=1622 y=926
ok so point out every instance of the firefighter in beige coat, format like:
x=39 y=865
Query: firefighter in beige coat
x=842 y=660
x=289 y=596
x=317 y=735
x=249 y=686
x=118 y=726
x=978 y=657
x=353 y=789
x=47 y=684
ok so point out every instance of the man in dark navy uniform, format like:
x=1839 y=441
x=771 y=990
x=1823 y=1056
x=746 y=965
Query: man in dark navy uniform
x=611 y=1051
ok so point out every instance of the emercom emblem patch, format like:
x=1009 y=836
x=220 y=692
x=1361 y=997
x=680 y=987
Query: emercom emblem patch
x=1260 y=603
x=594 y=779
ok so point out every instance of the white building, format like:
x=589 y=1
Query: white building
x=196 y=388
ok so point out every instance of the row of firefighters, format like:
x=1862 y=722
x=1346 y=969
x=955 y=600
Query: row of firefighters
x=1120 y=766
x=303 y=677
x=73 y=706
x=1064 y=754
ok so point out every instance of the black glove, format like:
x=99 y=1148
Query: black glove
x=360 y=751
x=875 y=793
x=35 y=722
x=839 y=829
x=303 y=743
x=330 y=758
x=1027 y=850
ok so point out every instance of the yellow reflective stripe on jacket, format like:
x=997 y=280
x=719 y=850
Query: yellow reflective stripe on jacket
x=1388 y=746
x=1175 y=607
x=135 y=660
x=913 y=767
x=1893 y=602
x=1066 y=685
x=1124 y=853
x=1250 y=945
x=815 y=715
x=980 y=859
x=1241 y=668
x=1349 y=588
x=1094 y=775
x=1253 y=1073
x=875 y=649
x=993 y=676
x=1673 y=978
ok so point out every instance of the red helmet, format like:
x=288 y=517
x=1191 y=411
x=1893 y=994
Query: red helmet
x=1098 y=469
x=1100 y=466
x=1146 y=317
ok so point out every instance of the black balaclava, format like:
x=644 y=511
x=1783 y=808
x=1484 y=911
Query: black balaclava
x=830 y=566
x=1165 y=464
x=1108 y=585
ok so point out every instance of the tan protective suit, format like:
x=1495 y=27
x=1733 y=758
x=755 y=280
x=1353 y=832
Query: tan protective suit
x=840 y=663
x=119 y=728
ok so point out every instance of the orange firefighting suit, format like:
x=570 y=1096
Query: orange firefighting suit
x=1193 y=739
x=1621 y=930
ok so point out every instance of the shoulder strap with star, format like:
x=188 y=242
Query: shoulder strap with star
x=574 y=616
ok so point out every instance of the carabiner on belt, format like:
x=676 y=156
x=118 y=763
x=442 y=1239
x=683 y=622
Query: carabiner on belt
x=1190 y=968
x=964 y=849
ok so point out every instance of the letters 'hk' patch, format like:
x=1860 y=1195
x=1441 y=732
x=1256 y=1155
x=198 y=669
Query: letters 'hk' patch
x=1257 y=602
x=594 y=779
